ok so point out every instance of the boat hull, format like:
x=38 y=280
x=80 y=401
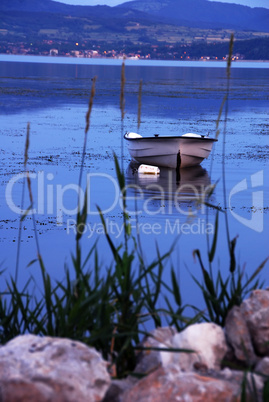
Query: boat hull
x=182 y=151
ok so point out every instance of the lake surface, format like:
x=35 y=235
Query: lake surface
x=177 y=98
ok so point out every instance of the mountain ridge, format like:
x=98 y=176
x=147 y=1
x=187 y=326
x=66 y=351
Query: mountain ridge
x=210 y=14
x=37 y=26
x=191 y=13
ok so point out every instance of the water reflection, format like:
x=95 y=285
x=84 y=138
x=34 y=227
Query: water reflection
x=187 y=91
x=167 y=193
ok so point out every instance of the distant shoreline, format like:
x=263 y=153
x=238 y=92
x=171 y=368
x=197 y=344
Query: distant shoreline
x=130 y=61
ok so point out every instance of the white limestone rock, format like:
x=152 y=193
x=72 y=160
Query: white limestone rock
x=208 y=342
x=43 y=369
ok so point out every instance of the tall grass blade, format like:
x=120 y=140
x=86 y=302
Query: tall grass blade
x=87 y=127
x=229 y=61
x=228 y=72
x=26 y=213
x=110 y=242
x=120 y=177
x=256 y=272
x=214 y=243
x=27 y=143
x=139 y=105
x=265 y=393
x=82 y=217
x=219 y=115
x=122 y=97
x=176 y=290
x=88 y=114
x=160 y=349
x=121 y=181
x=122 y=108
x=243 y=396
x=232 y=255
x=26 y=148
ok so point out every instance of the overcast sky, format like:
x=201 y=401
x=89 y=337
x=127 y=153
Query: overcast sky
x=250 y=3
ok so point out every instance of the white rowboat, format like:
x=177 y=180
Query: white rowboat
x=174 y=152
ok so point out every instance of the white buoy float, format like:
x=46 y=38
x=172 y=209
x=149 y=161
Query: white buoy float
x=148 y=169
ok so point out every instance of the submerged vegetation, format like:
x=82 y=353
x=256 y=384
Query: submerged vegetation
x=112 y=312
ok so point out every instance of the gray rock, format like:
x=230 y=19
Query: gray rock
x=237 y=334
x=170 y=384
x=206 y=339
x=147 y=362
x=46 y=369
x=255 y=310
x=150 y=360
x=117 y=388
x=263 y=366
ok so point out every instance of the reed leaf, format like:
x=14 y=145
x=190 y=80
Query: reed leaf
x=229 y=61
x=26 y=213
x=265 y=393
x=214 y=243
x=88 y=114
x=139 y=105
x=27 y=143
x=176 y=291
x=110 y=242
x=82 y=217
x=87 y=127
x=120 y=177
x=243 y=396
x=255 y=274
x=219 y=115
x=232 y=255
x=122 y=97
x=157 y=349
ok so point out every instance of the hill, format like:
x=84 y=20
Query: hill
x=190 y=13
x=204 y=13
x=144 y=28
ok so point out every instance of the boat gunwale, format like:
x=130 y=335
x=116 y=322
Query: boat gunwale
x=169 y=137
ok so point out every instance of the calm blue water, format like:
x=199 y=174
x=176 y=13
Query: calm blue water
x=177 y=98
x=129 y=62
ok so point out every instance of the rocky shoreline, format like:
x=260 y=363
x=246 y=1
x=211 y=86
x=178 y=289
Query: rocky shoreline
x=218 y=364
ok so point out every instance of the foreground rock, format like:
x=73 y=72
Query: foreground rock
x=171 y=384
x=202 y=376
x=207 y=343
x=255 y=310
x=239 y=339
x=247 y=329
x=35 y=369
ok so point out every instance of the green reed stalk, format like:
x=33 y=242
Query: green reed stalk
x=87 y=127
x=82 y=212
x=22 y=201
x=31 y=197
x=231 y=244
x=122 y=98
x=122 y=108
x=45 y=277
x=138 y=127
x=120 y=174
x=31 y=194
x=220 y=294
x=223 y=104
x=28 y=181
x=139 y=105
